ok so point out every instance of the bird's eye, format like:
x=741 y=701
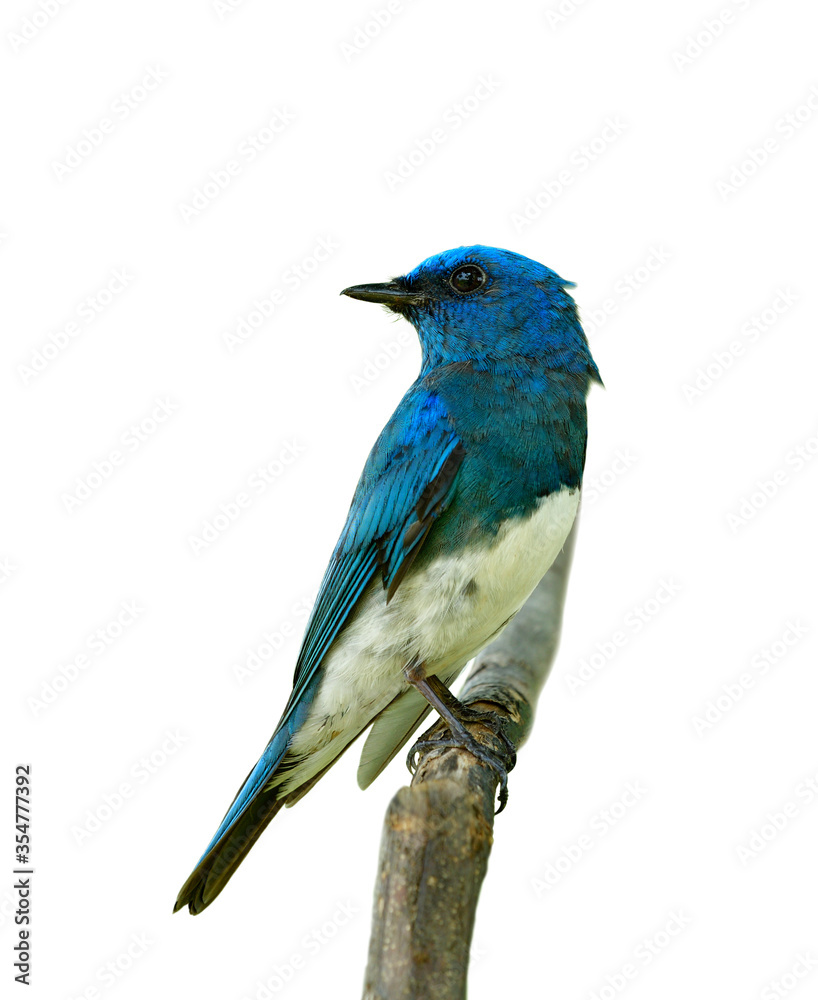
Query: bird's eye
x=467 y=278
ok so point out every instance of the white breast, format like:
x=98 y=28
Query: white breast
x=440 y=616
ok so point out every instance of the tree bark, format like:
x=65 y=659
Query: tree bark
x=438 y=833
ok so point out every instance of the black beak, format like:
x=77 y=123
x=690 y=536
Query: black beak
x=389 y=293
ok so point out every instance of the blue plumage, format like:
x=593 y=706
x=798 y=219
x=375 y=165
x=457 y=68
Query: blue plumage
x=463 y=502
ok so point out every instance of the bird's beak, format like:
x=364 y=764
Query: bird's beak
x=389 y=293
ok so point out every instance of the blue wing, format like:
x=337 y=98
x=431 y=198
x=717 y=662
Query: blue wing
x=407 y=482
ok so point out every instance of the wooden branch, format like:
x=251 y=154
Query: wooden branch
x=438 y=833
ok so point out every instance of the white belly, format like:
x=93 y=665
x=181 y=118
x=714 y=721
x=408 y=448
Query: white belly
x=440 y=616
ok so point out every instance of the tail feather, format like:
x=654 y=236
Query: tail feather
x=221 y=860
x=250 y=811
x=255 y=804
x=258 y=800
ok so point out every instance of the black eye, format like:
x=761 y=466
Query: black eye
x=467 y=278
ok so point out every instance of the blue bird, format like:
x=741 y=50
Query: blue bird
x=464 y=502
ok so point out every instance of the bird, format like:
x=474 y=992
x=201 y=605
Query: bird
x=464 y=501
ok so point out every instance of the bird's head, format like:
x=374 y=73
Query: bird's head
x=487 y=306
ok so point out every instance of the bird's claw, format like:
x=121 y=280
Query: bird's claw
x=496 y=723
x=501 y=763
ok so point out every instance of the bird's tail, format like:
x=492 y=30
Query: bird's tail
x=252 y=809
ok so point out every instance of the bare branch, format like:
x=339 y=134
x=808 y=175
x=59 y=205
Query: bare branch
x=438 y=833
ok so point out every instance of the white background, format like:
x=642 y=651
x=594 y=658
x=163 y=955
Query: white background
x=670 y=467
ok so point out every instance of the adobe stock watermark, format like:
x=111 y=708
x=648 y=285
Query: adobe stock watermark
x=375 y=365
x=760 y=665
x=138 y=775
x=369 y=30
x=97 y=643
x=652 y=945
x=707 y=34
x=256 y=484
x=596 y=484
x=130 y=441
x=763 y=491
x=264 y=306
x=624 y=289
x=7 y=570
x=33 y=23
x=111 y=972
x=118 y=111
x=8 y=906
x=273 y=639
x=599 y=826
x=248 y=150
x=635 y=620
x=579 y=161
x=756 y=157
x=778 y=820
x=802 y=966
x=317 y=938
x=453 y=119
x=750 y=333
x=477 y=952
x=224 y=7
x=558 y=14
x=87 y=312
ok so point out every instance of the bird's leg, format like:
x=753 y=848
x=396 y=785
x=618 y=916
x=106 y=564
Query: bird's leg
x=455 y=714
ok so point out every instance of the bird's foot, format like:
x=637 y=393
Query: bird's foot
x=495 y=722
x=500 y=761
